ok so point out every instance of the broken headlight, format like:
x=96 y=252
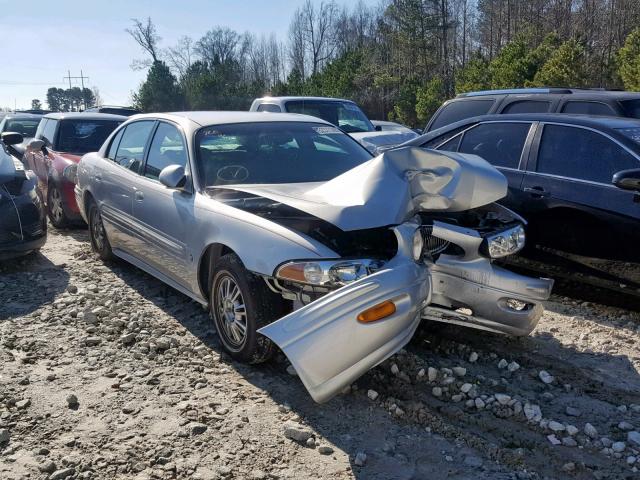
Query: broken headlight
x=501 y=244
x=330 y=273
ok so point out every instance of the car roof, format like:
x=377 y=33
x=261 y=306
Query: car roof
x=575 y=119
x=225 y=117
x=578 y=92
x=84 y=116
x=315 y=99
x=34 y=116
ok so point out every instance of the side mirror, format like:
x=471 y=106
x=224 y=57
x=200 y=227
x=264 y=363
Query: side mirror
x=378 y=128
x=34 y=145
x=627 y=179
x=11 y=138
x=173 y=177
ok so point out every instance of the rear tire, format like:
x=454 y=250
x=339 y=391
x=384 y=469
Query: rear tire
x=99 y=241
x=240 y=304
x=55 y=208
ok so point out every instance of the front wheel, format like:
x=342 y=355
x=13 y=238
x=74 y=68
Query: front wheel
x=55 y=208
x=240 y=304
x=99 y=241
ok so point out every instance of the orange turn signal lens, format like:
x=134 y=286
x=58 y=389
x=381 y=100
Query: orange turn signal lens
x=377 y=312
x=294 y=271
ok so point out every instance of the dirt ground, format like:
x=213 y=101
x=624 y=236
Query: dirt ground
x=105 y=373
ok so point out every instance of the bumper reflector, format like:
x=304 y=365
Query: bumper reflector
x=377 y=312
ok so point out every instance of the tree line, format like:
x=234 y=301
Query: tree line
x=399 y=59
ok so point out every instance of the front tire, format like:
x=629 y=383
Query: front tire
x=99 y=241
x=55 y=207
x=240 y=304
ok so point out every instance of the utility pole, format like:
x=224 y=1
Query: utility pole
x=82 y=79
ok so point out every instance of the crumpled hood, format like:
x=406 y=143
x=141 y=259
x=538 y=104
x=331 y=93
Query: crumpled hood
x=391 y=188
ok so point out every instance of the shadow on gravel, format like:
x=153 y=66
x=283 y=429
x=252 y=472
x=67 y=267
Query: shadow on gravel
x=29 y=282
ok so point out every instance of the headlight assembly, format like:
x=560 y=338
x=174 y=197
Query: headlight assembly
x=501 y=244
x=328 y=273
x=70 y=173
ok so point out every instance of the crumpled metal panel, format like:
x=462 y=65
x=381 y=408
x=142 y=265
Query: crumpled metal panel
x=392 y=187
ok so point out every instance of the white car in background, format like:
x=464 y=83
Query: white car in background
x=342 y=113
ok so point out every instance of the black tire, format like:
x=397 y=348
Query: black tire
x=261 y=307
x=55 y=209
x=99 y=241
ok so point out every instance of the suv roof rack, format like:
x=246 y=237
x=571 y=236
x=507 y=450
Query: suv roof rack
x=514 y=91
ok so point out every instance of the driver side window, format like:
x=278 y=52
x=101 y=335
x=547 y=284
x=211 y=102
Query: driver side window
x=132 y=144
x=167 y=148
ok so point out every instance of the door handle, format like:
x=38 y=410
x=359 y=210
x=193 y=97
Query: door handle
x=537 y=192
x=139 y=195
x=98 y=178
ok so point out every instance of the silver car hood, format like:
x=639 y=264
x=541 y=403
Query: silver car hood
x=391 y=188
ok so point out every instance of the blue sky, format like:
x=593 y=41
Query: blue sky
x=42 y=39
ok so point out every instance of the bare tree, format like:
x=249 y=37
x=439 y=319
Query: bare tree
x=218 y=45
x=297 y=46
x=145 y=35
x=180 y=57
x=318 y=29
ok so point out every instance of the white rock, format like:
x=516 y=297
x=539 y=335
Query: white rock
x=432 y=374
x=618 y=447
x=361 y=459
x=456 y=398
x=502 y=398
x=479 y=403
x=459 y=371
x=436 y=392
x=394 y=369
x=473 y=357
x=572 y=430
x=372 y=394
x=626 y=426
x=503 y=363
x=296 y=433
x=590 y=431
x=556 y=426
x=421 y=373
x=631 y=460
x=553 y=439
x=292 y=371
x=546 y=377
x=634 y=437
x=513 y=366
x=532 y=412
x=466 y=387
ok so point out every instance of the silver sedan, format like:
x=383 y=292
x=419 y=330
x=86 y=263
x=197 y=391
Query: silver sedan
x=293 y=235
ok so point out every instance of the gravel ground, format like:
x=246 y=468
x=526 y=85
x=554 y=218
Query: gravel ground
x=107 y=373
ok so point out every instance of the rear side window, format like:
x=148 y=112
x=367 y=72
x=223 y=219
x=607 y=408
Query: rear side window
x=440 y=139
x=130 y=152
x=588 y=108
x=113 y=148
x=631 y=108
x=499 y=143
x=167 y=148
x=527 y=106
x=459 y=110
x=580 y=153
x=268 y=107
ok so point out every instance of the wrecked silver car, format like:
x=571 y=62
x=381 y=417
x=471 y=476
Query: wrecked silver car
x=294 y=235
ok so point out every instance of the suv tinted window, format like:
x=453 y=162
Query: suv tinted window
x=459 y=110
x=589 y=108
x=131 y=149
x=49 y=131
x=527 y=106
x=579 y=153
x=167 y=148
x=499 y=143
x=268 y=107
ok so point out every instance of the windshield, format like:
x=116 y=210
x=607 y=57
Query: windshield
x=24 y=126
x=346 y=115
x=83 y=136
x=274 y=152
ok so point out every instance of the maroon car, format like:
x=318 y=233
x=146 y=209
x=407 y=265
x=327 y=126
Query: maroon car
x=54 y=153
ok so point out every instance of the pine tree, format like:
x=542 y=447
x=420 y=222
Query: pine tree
x=565 y=67
x=629 y=61
x=159 y=92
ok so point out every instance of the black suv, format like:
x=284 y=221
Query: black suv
x=575 y=178
x=536 y=100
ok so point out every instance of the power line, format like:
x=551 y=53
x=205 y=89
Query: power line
x=69 y=77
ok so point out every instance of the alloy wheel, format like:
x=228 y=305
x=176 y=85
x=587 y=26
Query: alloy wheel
x=231 y=312
x=55 y=205
x=97 y=230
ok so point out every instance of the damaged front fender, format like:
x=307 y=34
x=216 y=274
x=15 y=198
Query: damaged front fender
x=327 y=344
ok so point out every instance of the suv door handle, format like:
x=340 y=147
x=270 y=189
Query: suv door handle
x=537 y=192
x=139 y=195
